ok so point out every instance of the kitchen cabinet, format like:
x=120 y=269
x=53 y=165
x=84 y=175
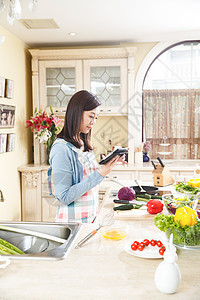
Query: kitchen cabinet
x=58 y=73
x=107 y=78
x=37 y=204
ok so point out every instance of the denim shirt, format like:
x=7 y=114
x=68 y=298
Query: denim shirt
x=68 y=173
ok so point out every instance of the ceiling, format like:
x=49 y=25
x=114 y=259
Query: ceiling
x=108 y=22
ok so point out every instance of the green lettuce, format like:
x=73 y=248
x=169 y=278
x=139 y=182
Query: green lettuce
x=187 y=235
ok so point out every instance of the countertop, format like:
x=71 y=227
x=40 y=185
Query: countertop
x=176 y=165
x=100 y=269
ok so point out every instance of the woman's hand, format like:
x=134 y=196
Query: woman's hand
x=105 y=169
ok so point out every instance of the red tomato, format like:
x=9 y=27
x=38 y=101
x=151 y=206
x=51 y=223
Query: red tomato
x=146 y=242
x=134 y=247
x=159 y=244
x=136 y=243
x=161 y=251
x=143 y=244
x=140 y=247
x=153 y=242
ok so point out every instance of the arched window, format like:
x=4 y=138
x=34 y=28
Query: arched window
x=171 y=102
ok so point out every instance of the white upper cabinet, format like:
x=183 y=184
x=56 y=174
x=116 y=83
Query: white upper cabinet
x=107 y=78
x=59 y=80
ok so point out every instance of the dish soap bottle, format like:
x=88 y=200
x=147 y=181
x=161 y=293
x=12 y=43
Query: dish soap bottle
x=167 y=276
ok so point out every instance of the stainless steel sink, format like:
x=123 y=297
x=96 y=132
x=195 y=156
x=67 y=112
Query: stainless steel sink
x=37 y=247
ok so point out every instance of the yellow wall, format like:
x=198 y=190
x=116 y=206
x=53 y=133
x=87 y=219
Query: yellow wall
x=15 y=64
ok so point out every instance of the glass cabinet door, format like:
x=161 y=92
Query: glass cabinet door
x=107 y=78
x=59 y=81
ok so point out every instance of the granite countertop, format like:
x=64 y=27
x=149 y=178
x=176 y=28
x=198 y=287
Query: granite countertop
x=100 y=269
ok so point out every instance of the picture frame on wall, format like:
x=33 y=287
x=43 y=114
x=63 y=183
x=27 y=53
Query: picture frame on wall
x=11 y=142
x=3 y=143
x=7 y=116
x=9 y=90
x=2 y=86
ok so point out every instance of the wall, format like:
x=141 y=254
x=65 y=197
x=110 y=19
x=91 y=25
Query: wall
x=15 y=64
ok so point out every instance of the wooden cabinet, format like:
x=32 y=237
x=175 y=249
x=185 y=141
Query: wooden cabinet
x=107 y=72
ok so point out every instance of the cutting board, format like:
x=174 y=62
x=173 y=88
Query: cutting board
x=132 y=214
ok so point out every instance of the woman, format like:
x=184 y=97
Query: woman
x=76 y=175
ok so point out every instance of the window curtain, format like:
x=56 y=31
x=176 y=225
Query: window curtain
x=172 y=117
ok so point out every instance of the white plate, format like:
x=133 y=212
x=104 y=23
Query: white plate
x=148 y=252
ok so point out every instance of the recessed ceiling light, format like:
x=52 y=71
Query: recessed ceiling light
x=72 y=33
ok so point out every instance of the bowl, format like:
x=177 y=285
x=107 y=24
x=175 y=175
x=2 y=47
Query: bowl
x=185 y=239
x=116 y=231
x=174 y=201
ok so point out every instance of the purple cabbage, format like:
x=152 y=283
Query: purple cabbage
x=126 y=193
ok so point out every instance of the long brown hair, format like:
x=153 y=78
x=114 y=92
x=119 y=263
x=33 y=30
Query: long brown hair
x=79 y=102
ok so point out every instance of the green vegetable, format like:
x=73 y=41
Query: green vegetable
x=187 y=235
x=137 y=206
x=8 y=248
x=146 y=196
x=124 y=207
x=142 y=199
x=186 y=187
x=127 y=206
x=156 y=197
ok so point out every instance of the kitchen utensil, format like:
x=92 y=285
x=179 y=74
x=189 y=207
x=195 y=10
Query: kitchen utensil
x=129 y=202
x=141 y=189
x=161 y=175
x=34 y=233
x=174 y=201
x=106 y=221
x=160 y=161
x=116 y=232
x=153 y=164
x=150 y=190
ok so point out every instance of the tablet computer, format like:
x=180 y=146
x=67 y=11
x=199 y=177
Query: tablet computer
x=119 y=151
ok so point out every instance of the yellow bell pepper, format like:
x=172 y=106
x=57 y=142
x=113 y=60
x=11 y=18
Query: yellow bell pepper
x=194 y=182
x=186 y=216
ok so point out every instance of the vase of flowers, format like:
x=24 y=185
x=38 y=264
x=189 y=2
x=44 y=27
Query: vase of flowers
x=45 y=127
x=146 y=149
